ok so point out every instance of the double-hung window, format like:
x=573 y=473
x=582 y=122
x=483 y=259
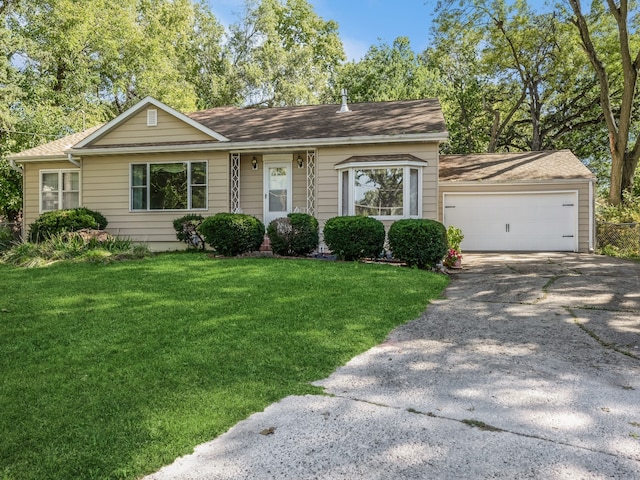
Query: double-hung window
x=386 y=189
x=59 y=189
x=169 y=186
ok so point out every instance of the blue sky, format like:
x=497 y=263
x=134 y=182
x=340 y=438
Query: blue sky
x=362 y=22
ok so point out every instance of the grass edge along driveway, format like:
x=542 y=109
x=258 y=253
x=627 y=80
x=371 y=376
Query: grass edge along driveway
x=111 y=371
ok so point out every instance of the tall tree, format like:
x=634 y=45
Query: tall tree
x=624 y=142
x=389 y=72
x=526 y=62
x=283 y=53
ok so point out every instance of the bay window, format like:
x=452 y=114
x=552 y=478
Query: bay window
x=169 y=186
x=59 y=189
x=390 y=190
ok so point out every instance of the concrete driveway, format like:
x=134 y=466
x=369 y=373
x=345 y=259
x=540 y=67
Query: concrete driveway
x=530 y=368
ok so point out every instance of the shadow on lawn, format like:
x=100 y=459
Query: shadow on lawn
x=110 y=371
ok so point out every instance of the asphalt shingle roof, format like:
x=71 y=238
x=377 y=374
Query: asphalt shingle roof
x=503 y=167
x=323 y=121
x=57 y=147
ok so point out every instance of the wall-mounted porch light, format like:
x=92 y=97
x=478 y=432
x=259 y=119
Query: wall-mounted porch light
x=300 y=162
x=254 y=163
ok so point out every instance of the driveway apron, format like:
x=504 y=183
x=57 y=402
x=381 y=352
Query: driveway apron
x=529 y=368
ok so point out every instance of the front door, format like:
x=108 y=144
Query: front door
x=277 y=190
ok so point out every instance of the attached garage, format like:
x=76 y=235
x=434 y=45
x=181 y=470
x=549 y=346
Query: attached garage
x=533 y=201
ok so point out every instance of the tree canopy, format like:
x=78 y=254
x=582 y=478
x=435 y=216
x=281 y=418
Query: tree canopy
x=509 y=78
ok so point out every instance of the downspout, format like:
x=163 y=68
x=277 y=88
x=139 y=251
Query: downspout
x=71 y=160
x=591 y=217
x=13 y=166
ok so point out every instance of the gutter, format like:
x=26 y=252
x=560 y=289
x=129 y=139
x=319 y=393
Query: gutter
x=269 y=144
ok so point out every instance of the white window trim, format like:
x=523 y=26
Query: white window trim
x=189 y=185
x=59 y=171
x=406 y=192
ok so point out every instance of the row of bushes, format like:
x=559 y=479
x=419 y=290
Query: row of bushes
x=235 y=234
x=417 y=242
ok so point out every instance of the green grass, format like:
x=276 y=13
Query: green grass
x=113 y=370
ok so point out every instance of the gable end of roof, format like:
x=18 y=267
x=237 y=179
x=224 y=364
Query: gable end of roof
x=146 y=102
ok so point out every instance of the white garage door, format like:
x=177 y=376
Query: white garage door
x=514 y=221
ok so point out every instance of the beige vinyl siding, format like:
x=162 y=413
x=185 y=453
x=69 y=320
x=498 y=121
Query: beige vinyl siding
x=327 y=175
x=582 y=187
x=31 y=193
x=299 y=183
x=135 y=130
x=251 y=186
x=106 y=186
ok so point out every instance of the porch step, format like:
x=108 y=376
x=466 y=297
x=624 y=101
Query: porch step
x=266 y=245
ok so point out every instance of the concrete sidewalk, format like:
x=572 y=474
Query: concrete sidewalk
x=529 y=369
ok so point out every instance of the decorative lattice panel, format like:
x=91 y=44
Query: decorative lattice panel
x=235 y=182
x=311 y=182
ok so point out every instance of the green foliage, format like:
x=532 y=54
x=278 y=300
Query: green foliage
x=6 y=237
x=58 y=221
x=186 y=227
x=618 y=227
x=283 y=53
x=232 y=233
x=10 y=189
x=354 y=237
x=389 y=72
x=626 y=212
x=72 y=246
x=296 y=234
x=125 y=367
x=454 y=237
x=418 y=242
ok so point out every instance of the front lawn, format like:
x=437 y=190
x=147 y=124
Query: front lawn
x=111 y=371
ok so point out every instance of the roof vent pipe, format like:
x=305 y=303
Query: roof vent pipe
x=344 y=107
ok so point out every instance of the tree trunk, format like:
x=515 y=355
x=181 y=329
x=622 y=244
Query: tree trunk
x=494 y=131
x=615 y=187
x=628 y=172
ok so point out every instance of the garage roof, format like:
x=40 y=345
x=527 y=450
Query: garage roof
x=505 y=167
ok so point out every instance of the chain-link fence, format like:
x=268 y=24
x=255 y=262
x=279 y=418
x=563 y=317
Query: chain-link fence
x=622 y=238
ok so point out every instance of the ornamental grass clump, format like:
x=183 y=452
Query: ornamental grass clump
x=72 y=246
x=418 y=242
x=294 y=235
x=232 y=234
x=354 y=237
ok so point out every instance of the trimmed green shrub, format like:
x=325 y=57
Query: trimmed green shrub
x=354 y=237
x=296 y=234
x=59 y=221
x=232 y=233
x=187 y=230
x=418 y=242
